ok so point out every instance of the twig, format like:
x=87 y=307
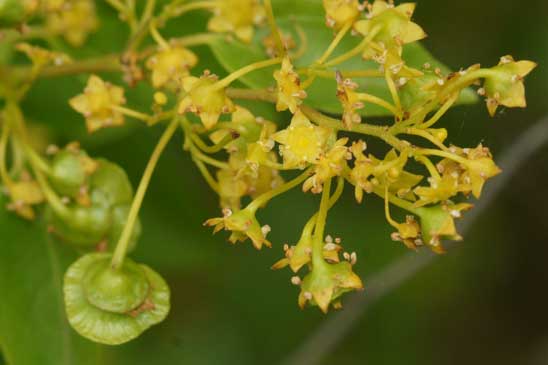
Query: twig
x=334 y=329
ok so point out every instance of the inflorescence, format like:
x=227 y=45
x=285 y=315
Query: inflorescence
x=245 y=159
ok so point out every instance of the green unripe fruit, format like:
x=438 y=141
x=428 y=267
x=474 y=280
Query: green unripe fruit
x=68 y=172
x=109 y=185
x=96 y=298
x=118 y=291
x=12 y=12
x=119 y=220
x=86 y=226
x=110 y=194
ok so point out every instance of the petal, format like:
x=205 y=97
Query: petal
x=244 y=33
x=323 y=298
x=363 y=27
x=80 y=104
x=413 y=32
x=407 y=9
x=525 y=67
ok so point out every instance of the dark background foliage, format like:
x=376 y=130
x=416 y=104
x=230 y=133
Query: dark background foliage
x=483 y=303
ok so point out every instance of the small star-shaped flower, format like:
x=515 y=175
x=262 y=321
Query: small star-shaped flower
x=204 y=99
x=24 y=194
x=339 y=13
x=243 y=225
x=171 y=64
x=330 y=164
x=98 y=103
x=505 y=85
x=347 y=95
x=289 y=91
x=302 y=142
x=326 y=283
x=238 y=17
x=393 y=26
x=75 y=20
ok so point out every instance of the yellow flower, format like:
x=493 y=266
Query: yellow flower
x=440 y=189
x=244 y=128
x=349 y=100
x=74 y=21
x=362 y=171
x=326 y=283
x=301 y=254
x=393 y=26
x=479 y=168
x=238 y=17
x=171 y=64
x=52 y=5
x=231 y=188
x=204 y=99
x=505 y=86
x=98 y=103
x=438 y=223
x=302 y=142
x=338 y=13
x=408 y=233
x=243 y=225
x=264 y=179
x=24 y=194
x=369 y=172
x=259 y=152
x=289 y=91
x=329 y=164
x=243 y=178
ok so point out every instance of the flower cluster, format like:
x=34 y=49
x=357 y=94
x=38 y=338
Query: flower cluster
x=246 y=159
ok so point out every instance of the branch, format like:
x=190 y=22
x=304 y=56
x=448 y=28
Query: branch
x=333 y=330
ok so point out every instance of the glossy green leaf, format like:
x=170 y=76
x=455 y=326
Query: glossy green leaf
x=33 y=326
x=308 y=18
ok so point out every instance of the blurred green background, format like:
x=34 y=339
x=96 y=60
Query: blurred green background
x=483 y=303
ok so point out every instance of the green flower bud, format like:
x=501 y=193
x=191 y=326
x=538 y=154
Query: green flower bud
x=113 y=306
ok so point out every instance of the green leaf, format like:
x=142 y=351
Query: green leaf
x=33 y=326
x=308 y=18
